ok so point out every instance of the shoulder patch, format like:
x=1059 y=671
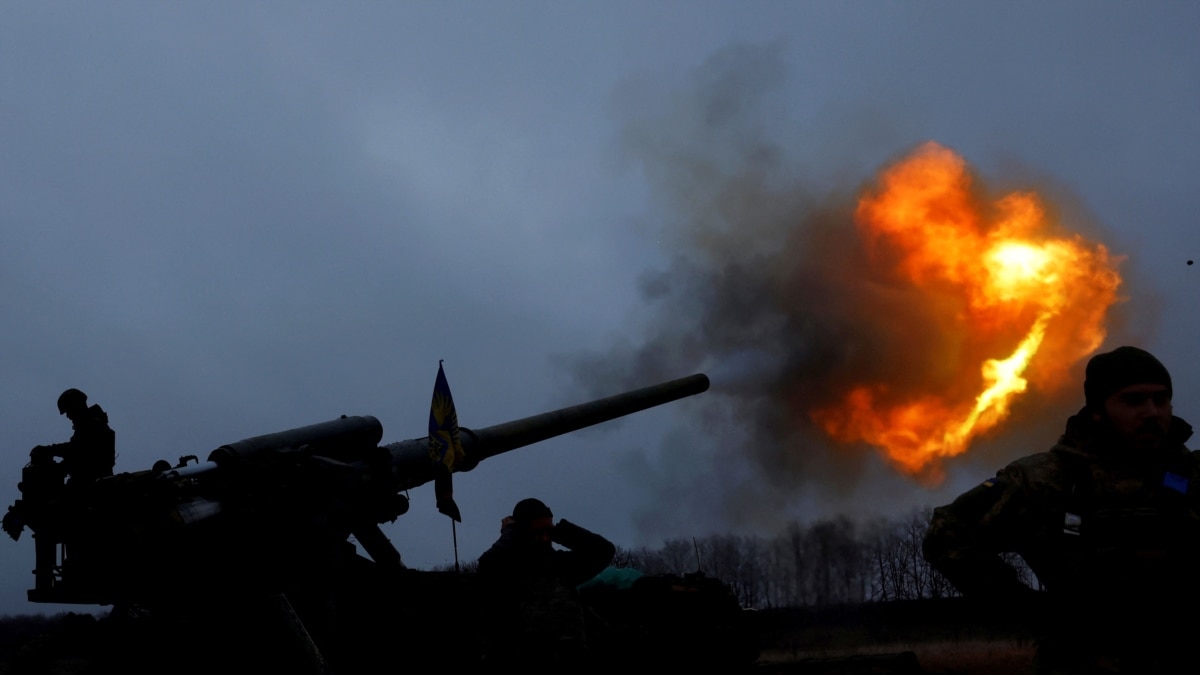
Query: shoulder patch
x=979 y=500
x=1175 y=482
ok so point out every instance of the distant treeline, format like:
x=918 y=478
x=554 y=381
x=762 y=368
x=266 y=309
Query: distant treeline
x=836 y=561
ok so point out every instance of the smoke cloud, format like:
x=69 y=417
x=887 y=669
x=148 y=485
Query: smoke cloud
x=771 y=293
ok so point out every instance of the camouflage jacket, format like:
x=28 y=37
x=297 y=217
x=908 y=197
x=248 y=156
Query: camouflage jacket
x=1100 y=530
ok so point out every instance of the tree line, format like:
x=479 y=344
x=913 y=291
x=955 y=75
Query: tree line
x=835 y=561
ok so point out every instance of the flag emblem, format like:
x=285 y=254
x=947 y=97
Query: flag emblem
x=445 y=448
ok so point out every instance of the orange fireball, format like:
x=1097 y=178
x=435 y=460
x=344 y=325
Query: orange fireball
x=1023 y=299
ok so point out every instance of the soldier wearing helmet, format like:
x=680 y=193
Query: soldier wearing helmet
x=91 y=452
x=1108 y=520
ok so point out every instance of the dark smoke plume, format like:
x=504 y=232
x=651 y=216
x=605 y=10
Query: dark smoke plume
x=769 y=293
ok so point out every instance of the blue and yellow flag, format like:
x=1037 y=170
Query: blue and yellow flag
x=445 y=449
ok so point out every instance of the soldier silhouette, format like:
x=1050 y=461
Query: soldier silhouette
x=539 y=621
x=91 y=452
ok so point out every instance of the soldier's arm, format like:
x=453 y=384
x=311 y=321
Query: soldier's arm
x=588 y=554
x=498 y=561
x=52 y=450
x=966 y=537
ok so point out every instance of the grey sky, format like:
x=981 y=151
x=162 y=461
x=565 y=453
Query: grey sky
x=226 y=219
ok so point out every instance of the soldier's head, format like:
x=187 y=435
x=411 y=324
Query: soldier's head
x=1128 y=391
x=72 y=403
x=534 y=520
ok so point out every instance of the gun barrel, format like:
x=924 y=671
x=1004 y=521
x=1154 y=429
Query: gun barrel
x=501 y=438
x=410 y=459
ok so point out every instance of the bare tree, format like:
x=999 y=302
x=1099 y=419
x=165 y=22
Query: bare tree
x=898 y=565
x=827 y=562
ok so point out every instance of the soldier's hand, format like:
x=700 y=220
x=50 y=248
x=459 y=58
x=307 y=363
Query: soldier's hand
x=508 y=520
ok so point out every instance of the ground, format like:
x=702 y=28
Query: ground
x=876 y=639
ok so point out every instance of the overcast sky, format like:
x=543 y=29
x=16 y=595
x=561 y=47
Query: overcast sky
x=226 y=219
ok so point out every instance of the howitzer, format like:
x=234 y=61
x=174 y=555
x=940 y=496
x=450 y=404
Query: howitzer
x=270 y=516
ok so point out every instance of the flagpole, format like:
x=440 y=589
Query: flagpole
x=454 y=535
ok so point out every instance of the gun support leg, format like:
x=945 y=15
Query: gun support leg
x=311 y=654
x=377 y=545
x=45 y=553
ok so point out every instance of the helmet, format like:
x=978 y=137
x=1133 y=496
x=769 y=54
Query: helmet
x=71 y=399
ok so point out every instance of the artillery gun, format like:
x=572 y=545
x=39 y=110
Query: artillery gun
x=258 y=540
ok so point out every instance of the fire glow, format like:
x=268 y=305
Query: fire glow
x=1021 y=299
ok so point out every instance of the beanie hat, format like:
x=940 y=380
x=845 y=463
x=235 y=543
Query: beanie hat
x=528 y=510
x=1112 y=371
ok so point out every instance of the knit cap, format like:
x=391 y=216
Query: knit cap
x=528 y=510
x=1112 y=371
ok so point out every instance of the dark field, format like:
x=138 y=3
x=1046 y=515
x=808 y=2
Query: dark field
x=945 y=637
x=921 y=637
x=933 y=657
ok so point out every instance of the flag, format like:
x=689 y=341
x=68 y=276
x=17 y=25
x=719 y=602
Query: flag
x=445 y=449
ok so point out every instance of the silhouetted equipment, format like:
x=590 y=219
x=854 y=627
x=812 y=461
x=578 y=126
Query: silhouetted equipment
x=268 y=521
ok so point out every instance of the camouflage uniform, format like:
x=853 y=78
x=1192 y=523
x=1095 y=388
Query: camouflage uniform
x=1113 y=537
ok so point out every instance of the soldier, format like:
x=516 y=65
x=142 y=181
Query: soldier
x=537 y=612
x=91 y=452
x=45 y=505
x=1108 y=520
